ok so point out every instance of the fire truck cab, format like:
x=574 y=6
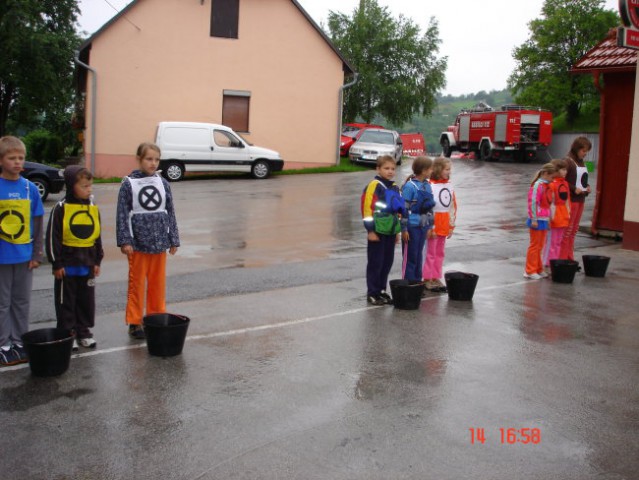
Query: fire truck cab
x=512 y=131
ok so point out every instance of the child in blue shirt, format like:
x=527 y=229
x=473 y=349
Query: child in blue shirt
x=21 y=214
x=419 y=203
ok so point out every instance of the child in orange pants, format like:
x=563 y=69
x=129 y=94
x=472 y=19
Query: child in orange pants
x=538 y=220
x=146 y=228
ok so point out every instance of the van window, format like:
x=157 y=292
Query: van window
x=224 y=18
x=225 y=139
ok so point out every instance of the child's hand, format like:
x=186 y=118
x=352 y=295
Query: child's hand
x=431 y=233
x=405 y=237
x=588 y=189
x=534 y=224
x=33 y=264
x=59 y=273
x=578 y=190
x=373 y=237
x=96 y=270
x=127 y=250
x=172 y=250
x=397 y=238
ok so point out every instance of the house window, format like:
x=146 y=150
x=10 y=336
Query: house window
x=225 y=16
x=235 y=110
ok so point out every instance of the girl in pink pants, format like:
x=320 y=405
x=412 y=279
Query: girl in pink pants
x=560 y=217
x=445 y=211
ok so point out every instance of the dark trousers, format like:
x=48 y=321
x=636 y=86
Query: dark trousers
x=415 y=254
x=75 y=304
x=380 y=261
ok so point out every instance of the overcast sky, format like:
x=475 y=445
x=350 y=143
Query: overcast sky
x=477 y=37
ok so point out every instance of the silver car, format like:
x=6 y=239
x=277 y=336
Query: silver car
x=375 y=142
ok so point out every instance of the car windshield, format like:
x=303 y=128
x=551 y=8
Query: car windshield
x=370 y=136
x=351 y=133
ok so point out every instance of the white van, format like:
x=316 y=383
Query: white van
x=207 y=147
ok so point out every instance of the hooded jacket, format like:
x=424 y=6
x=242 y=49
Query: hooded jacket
x=153 y=231
x=59 y=254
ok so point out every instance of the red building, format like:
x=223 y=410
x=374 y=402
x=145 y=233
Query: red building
x=614 y=70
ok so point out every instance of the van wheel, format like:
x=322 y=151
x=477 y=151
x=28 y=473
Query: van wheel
x=174 y=171
x=260 y=169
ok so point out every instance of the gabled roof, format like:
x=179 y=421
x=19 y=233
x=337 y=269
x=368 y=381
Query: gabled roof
x=347 y=67
x=607 y=57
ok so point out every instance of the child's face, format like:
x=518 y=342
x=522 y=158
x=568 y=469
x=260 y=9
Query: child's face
x=83 y=188
x=562 y=172
x=150 y=161
x=12 y=164
x=387 y=170
x=582 y=153
x=446 y=172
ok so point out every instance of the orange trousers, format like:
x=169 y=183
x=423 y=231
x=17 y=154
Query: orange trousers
x=533 y=256
x=147 y=274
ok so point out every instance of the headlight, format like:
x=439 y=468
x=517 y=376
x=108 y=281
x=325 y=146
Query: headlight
x=61 y=173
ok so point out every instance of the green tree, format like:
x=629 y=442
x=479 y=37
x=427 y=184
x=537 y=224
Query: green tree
x=38 y=39
x=566 y=30
x=399 y=72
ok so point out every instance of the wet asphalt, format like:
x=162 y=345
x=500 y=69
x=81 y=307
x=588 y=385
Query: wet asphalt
x=287 y=373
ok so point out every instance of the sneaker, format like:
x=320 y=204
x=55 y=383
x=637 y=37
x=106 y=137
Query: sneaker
x=543 y=274
x=430 y=285
x=20 y=352
x=439 y=286
x=532 y=276
x=375 y=300
x=387 y=298
x=75 y=346
x=88 y=342
x=137 y=332
x=8 y=357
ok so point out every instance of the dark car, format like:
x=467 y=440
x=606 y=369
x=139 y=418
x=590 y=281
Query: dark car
x=48 y=179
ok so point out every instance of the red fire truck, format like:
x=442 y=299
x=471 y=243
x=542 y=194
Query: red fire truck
x=512 y=131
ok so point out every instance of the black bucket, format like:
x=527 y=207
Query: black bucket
x=595 y=265
x=563 y=271
x=165 y=333
x=461 y=285
x=49 y=351
x=407 y=294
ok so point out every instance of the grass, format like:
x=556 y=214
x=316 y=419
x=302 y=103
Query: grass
x=584 y=123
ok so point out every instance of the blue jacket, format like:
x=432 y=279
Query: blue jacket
x=153 y=232
x=410 y=191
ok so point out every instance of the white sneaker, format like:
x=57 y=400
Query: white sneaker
x=75 y=347
x=532 y=276
x=543 y=274
x=88 y=342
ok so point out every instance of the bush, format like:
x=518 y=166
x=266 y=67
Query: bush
x=43 y=146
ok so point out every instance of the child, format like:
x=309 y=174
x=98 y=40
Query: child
x=381 y=205
x=538 y=220
x=146 y=227
x=21 y=215
x=577 y=178
x=74 y=248
x=560 y=212
x=419 y=202
x=445 y=211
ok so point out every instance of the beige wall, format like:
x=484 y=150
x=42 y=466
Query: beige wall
x=163 y=65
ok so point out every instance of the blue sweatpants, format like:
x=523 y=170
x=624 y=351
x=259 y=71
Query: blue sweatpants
x=380 y=261
x=415 y=253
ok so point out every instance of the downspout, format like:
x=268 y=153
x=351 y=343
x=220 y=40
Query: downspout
x=94 y=90
x=600 y=167
x=340 y=110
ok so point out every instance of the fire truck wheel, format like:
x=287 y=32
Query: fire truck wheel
x=446 y=147
x=486 y=152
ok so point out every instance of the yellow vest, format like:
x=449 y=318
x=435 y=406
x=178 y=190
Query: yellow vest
x=15 y=221
x=80 y=225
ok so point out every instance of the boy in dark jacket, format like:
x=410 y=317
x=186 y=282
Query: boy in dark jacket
x=74 y=248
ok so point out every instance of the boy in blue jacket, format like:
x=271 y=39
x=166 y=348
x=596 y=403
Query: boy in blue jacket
x=382 y=206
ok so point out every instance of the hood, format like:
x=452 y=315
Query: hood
x=70 y=178
x=260 y=152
